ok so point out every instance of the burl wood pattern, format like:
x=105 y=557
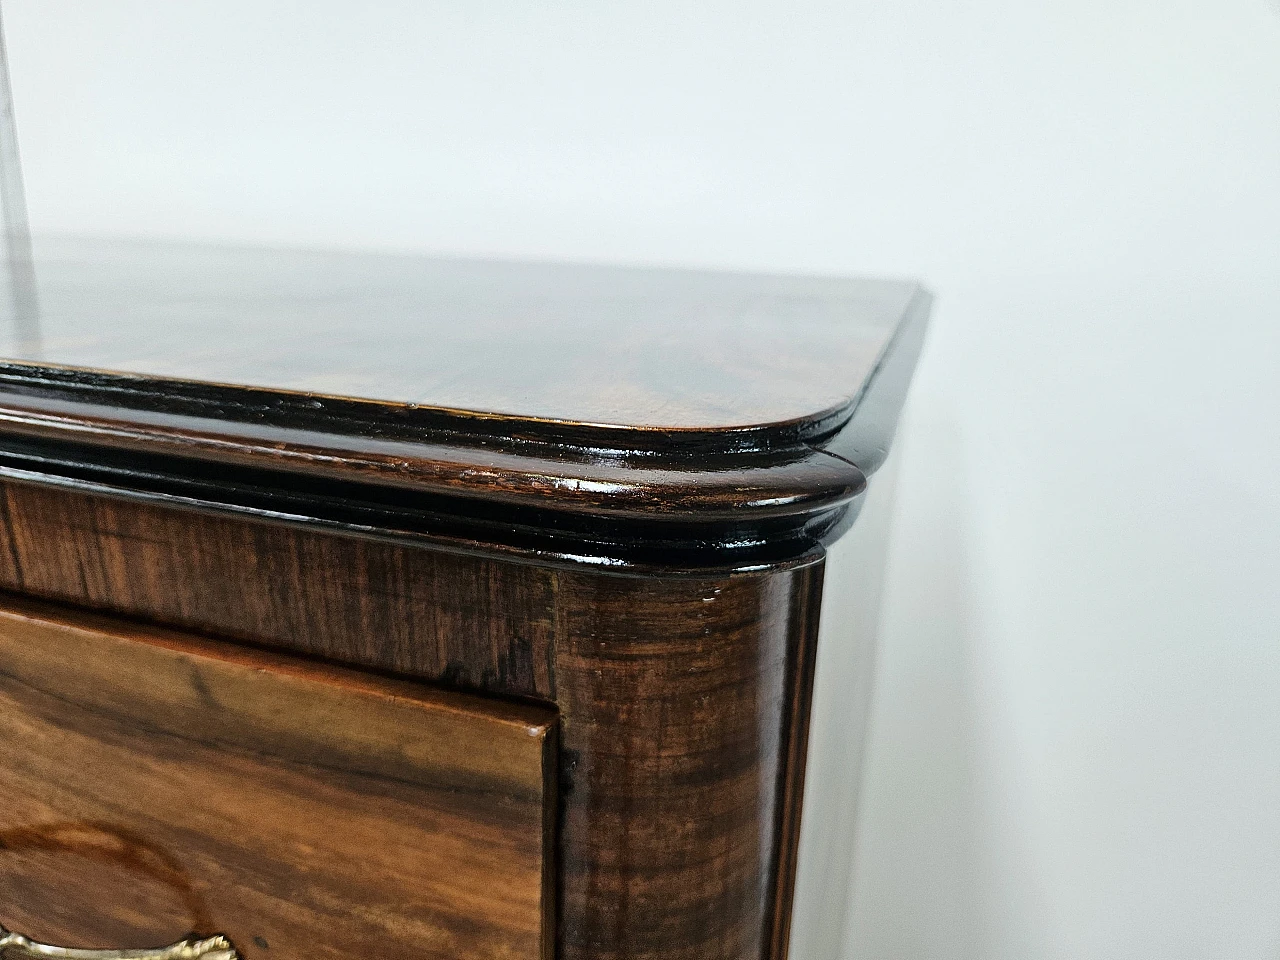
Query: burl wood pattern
x=639 y=348
x=155 y=785
x=719 y=421
x=680 y=697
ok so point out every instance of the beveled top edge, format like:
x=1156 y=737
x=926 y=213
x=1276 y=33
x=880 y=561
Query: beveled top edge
x=627 y=358
x=799 y=479
x=619 y=497
x=345 y=418
x=741 y=499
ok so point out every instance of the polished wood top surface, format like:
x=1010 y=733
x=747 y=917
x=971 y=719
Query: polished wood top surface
x=590 y=414
x=647 y=349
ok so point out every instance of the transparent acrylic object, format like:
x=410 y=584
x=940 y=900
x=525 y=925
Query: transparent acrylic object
x=21 y=307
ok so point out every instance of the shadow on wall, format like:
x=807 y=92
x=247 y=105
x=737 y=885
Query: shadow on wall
x=927 y=845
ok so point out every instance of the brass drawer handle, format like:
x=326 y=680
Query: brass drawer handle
x=213 y=948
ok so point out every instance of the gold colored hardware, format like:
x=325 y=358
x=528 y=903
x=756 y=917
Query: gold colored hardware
x=213 y=948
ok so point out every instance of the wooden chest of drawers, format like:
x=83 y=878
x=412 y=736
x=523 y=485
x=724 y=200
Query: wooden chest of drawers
x=372 y=606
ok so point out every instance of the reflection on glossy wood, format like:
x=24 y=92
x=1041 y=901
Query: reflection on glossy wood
x=304 y=811
x=793 y=480
x=676 y=700
x=640 y=348
x=520 y=442
x=607 y=491
x=678 y=694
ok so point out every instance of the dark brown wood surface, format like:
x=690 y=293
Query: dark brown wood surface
x=678 y=694
x=677 y=700
x=801 y=661
x=593 y=414
x=473 y=622
x=646 y=349
x=603 y=491
x=785 y=482
x=156 y=784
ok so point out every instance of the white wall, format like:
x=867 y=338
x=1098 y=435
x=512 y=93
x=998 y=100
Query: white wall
x=1076 y=741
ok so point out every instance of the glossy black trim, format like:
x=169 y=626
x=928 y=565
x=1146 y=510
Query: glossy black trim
x=865 y=439
x=468 y=525
x=290 y=458
x=345 y=416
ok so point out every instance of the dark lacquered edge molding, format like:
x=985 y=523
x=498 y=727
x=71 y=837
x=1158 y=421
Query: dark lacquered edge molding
x=695 y=488
x=468 y=527
x=681 y=509
x=373 y=419
x=865 y=439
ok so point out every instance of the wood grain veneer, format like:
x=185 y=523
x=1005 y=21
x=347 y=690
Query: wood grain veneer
x=473 y=622
x=677 y=693
x=304 y=811
x=607 y=493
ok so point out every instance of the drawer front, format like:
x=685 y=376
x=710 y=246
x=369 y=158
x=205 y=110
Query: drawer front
x=153 y=786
